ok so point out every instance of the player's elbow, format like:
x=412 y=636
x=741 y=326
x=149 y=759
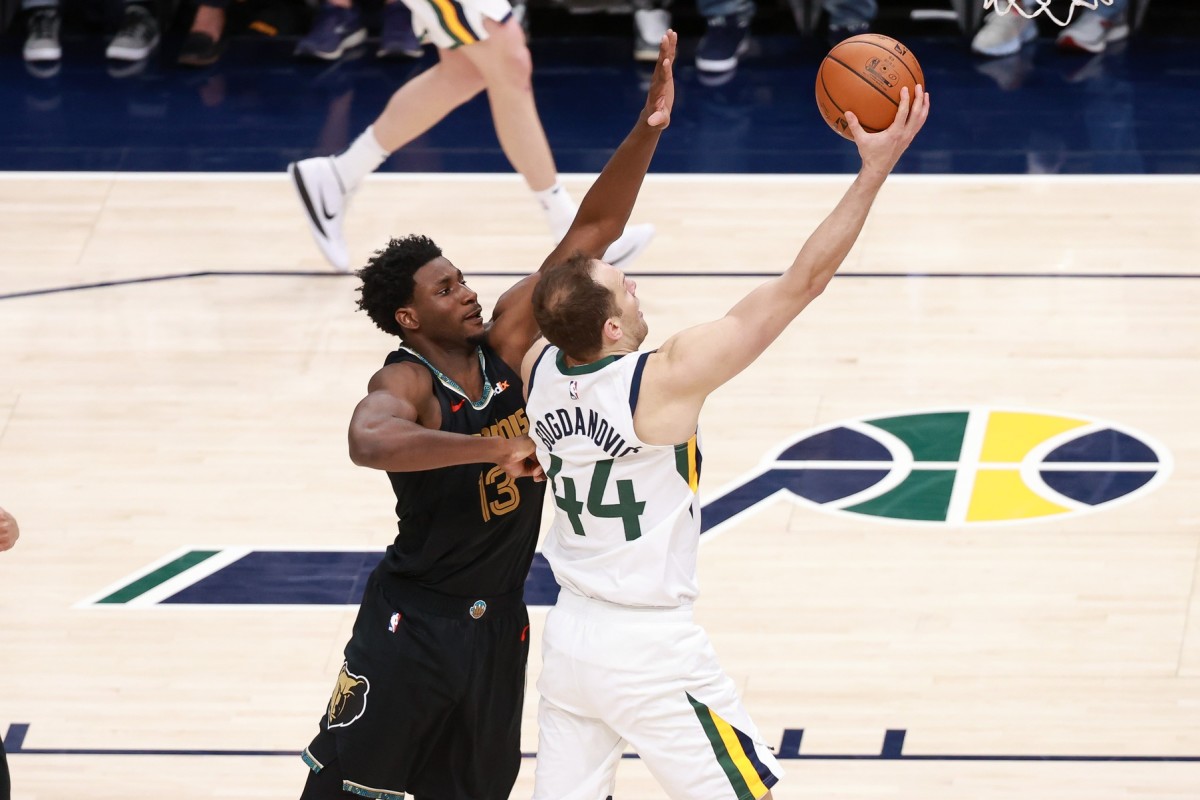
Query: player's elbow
x=364 y=449
x=808 y=288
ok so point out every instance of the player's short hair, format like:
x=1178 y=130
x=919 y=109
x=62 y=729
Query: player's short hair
x=571 y=308
x=387 y=279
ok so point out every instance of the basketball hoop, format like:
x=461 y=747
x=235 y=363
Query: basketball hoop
x=1042 y=6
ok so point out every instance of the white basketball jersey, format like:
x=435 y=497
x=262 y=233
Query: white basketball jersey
x=627 y=519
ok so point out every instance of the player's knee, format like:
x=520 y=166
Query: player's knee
x=513 y=65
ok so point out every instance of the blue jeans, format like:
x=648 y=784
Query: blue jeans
x=841 y=12
x=725 y=8
x=847 y=12
x=1118 y=8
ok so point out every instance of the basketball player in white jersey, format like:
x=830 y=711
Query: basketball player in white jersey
x=616 y=433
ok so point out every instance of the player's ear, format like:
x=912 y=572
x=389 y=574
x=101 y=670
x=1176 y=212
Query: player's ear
x=612 y=330
x=407 y=318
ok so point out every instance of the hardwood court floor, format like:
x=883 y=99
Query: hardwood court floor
x=1038 y=659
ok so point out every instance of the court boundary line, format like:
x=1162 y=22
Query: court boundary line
x=653 y=177
x=789 y=750
x=324 y=274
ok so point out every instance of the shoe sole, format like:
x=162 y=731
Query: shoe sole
x=198 y=61
x=1072 y=44
x=1115 y=34
x=645 y=50
x=130 y=53
x=723 y=64
x=381 y=53
x=353 y=40
x=43 y=54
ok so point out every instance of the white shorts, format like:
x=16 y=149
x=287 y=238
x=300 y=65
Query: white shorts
x=613 y=675
x=454 y=23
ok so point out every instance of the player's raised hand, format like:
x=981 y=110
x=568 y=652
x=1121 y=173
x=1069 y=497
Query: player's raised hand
x=661 y=96
x=882 y=150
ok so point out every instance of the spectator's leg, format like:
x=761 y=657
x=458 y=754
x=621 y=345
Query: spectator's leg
x=849 y=18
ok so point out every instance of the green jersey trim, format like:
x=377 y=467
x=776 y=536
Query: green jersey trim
x=583 y=369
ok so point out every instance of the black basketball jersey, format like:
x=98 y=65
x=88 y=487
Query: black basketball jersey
x=467 y=530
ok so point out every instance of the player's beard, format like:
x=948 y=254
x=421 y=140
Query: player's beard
x=641 y=331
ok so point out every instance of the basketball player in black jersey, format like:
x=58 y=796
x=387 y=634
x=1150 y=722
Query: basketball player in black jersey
x=428 y=701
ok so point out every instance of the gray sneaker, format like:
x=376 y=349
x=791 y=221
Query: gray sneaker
x=41 y=43
x=136 y=38
x=1003 y=34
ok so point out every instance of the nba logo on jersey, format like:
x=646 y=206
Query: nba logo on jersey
x=573 y=390
x=394 y=622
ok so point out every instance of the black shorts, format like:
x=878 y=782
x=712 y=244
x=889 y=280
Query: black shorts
x=429 y=700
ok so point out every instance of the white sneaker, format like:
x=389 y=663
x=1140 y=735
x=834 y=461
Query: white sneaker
x=1003 y=34
x=42 y=42
x=325 y=200
x=649 y=26
x=633 y=241
x=1091 y=33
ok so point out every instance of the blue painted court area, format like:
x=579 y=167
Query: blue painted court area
x=1134 y=109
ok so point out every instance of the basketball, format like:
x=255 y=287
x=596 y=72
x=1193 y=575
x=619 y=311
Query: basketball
x=864 y=74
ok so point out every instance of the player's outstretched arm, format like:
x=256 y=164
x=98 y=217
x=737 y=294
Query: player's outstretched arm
x=387 y=430
x=696 y=361
x=602 y=214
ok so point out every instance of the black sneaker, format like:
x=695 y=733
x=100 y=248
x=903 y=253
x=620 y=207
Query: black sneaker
x=397 y=39
x=136 y=38
x=200 y=50
x=334 y=31
x=725 y=40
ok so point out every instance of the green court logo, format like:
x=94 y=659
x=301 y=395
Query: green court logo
x=972 y=466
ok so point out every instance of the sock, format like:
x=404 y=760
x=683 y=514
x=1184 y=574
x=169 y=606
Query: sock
x=360 y=159
x=559 y=208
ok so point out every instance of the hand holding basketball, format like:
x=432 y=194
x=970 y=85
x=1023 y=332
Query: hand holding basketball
x=865 y=74
x=882 y=150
